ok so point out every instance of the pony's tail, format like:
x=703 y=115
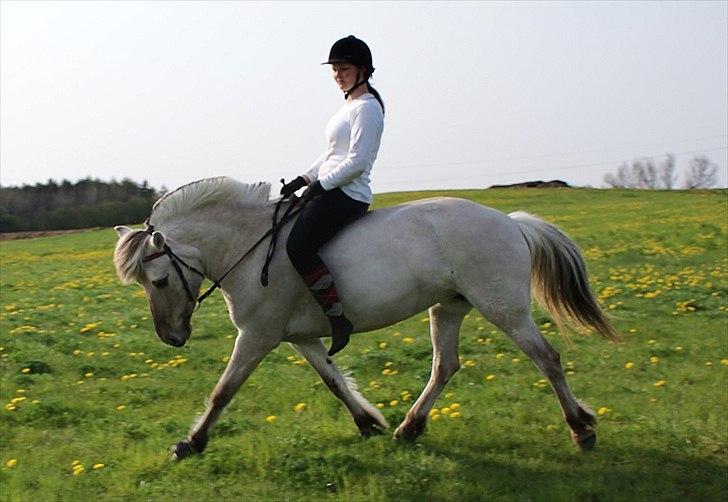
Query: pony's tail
x=559 y=277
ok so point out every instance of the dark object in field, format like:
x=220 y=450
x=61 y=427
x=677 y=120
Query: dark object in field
x=536 y=184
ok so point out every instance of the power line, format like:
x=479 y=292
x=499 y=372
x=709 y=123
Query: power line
x=529 y=171
x=549 y=155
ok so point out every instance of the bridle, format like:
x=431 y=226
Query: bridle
x=176 y=260
x=273 y=231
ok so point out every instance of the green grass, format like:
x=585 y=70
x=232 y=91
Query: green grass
x=657 y=261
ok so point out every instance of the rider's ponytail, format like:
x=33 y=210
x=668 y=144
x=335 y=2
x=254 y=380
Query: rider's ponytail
x=376 y=95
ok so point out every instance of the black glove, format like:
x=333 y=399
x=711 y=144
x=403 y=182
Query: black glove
x=291 y=187
x=312 y=191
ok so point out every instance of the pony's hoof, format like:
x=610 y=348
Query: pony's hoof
x=586 y=443
x=371 y=431
x=409 y=431
x=183 y=449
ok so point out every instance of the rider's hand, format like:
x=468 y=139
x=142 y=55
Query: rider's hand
x=312 y=191
x=291 y=187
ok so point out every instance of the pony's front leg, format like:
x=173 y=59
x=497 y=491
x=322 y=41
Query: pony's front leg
x=248 y=352
x=367 y=418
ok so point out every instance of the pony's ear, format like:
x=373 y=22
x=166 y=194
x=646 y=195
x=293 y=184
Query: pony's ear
x=122 y=230
x=158 y=240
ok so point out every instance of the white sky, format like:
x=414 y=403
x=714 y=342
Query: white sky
x=476 y=93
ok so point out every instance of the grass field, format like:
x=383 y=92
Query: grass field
x=92 y=400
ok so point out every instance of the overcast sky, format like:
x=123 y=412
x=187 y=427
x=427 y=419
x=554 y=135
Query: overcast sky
x=476 y=93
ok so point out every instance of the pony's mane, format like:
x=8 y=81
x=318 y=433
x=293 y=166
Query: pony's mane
x=219 y=190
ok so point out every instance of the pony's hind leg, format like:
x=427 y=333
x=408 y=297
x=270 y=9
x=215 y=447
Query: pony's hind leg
x=445 y=320
x=521 y=329
x=367 y=418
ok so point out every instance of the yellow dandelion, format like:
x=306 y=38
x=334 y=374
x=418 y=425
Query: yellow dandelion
x=25 y=370
x=96 y=467
x=121 y=407
x=499 y=355
x=709 y=364
x=380 y=405
x=660 y=383
x=436 y=417
x=724 y=362
x=271 y=418
x=490 y=378
x=17 y=400
x=226 y=359
x=75 y=463
x=455 y=414
x=603 y=410
x=9 y=407
x=629 y=365
x=76 y=352
x=551 y=428
x=654 y=359
x=11 y=463
x=408 y=339
x=383 y=345
x=469 y=363
x=446 y=410
x=678 y=349
x=454 y=406
x=78 y=470
x=300 y=407
x=20 y=391
x=393 y=403
x=433 y=412
x=88 y=375
x=386 y=371
x=291 y=358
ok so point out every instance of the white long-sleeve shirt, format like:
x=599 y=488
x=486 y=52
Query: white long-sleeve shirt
x=353 y=136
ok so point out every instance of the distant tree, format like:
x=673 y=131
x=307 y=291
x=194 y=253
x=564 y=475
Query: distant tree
x=640 y=174
x=702 y=173
x=646 y=174
x=622 y=178
x=668 y=176
x=86 y=203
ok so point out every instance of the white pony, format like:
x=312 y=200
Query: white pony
x=445 y=254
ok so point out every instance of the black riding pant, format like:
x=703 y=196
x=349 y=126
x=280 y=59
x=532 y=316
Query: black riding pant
x=319 y=221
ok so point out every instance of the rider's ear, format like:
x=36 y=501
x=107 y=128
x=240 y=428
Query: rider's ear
x=122 y=230
x=158 y=240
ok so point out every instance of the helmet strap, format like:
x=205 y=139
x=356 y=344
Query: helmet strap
x=347 y=93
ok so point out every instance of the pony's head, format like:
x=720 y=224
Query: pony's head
x=169 y=270
x=171 y=287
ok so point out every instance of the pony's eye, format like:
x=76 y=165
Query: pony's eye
x=160 y=283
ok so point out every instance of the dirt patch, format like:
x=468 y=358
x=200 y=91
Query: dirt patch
x=11 y=236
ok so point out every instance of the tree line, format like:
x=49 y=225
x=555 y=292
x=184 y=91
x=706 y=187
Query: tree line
x=647 y=174
x=66 y=205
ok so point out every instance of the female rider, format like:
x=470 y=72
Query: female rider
x=338 y=181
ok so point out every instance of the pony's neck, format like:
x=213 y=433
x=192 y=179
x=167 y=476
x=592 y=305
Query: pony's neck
x=220 y=236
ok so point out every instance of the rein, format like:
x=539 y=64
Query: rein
x=273 y=231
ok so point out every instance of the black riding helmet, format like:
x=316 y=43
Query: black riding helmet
x=354 y=51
